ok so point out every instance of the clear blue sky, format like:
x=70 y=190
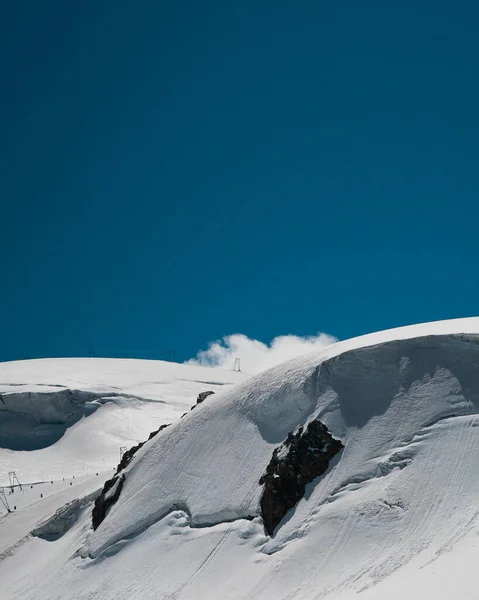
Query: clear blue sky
x=172 y=172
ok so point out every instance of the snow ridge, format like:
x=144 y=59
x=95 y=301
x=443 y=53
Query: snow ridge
x=395 y=515
x=382 y=392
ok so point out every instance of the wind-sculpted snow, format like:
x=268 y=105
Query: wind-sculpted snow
x=73 y=415
x=64 y=518
x=395 y=515
x=373 y=399
x=30 y=420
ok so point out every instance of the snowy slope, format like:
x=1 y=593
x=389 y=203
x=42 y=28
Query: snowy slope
x=64 y=417
x=395 y=515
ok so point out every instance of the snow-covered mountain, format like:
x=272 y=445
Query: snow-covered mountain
x=65 y=417
x=369 y=447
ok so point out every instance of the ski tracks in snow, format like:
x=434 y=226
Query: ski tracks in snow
x=429 y=521
x=203 y=566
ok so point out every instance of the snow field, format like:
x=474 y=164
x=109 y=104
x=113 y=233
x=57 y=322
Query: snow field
x=126 y=400
x=394 y=516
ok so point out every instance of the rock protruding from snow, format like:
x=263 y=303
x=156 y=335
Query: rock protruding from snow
x=112 y=489
x=201 y=398
x=304 y=456
x=395 y=515
x=203 y=395
x=109 y=495
x=129 y=454
x=375 y=399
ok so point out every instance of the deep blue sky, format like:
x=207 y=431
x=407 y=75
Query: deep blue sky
x=172 y=172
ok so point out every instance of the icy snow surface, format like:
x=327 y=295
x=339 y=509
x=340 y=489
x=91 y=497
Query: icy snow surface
x=395 y=515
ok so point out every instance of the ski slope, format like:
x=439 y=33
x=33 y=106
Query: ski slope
x=394 y=516
x=65 y=417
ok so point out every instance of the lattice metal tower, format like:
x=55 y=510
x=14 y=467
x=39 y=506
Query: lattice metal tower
x=13 y=479
x=3 y=499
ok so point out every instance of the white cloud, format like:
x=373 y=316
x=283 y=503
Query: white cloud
x=255 y=356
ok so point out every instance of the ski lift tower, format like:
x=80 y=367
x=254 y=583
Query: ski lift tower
x=12 y=478
x=3 y=500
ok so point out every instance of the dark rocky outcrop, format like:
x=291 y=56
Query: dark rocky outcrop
x=201 y=398
x=129 y=454
x=106 y=500
x=304 y=456
x=203 y=395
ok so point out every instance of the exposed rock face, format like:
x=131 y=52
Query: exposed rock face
x=112 y=489
x=201 y=398
x=203 y=395
x=129 y=454
x=304 y=456
x=109 y=495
